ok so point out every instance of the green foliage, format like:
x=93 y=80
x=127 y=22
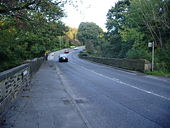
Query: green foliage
x=115 y=22
x=91 y=35
x=28 y=32
x=131 y=24
x=153 y=14
x=83 y=54
x=164 y=58
x=159 y=73
x=138 y=53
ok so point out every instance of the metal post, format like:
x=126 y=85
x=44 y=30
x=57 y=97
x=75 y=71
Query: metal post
x=60 y=42
x=153 y=46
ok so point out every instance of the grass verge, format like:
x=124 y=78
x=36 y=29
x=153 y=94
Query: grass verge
x=159 y=73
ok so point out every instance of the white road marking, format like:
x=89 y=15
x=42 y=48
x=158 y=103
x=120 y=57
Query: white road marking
x=123 y=83
x=70 y=93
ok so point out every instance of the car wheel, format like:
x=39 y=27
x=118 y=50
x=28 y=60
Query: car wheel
x=60 y=60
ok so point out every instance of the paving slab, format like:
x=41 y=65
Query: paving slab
x=43 y=104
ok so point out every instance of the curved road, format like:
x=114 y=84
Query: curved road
x=112 y=98
x=82 y=94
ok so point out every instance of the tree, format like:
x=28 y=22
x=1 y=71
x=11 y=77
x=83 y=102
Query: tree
x=132 y=24
x=115 y=22
x=27 y=32
x=154 y=16
x=151 y=20
x=71 y=34
x=91 y=35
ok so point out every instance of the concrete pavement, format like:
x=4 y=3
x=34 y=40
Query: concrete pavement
x=46 y=104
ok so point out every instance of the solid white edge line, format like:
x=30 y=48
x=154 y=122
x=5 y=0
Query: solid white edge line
x=69 y=92
x=126 y=84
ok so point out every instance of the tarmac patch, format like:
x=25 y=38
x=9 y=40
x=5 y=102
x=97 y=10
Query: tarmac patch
x=77 y=100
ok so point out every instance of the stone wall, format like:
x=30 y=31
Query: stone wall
x=35 y=64
x=130 y=64
x=14 y=80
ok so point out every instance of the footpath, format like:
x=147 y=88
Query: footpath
x=45 y=104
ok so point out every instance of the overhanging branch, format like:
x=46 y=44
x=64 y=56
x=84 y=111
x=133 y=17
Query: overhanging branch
x=26 y=6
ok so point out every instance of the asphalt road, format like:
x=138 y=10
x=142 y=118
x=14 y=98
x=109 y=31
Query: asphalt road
x=110 y=98
x=82 y=94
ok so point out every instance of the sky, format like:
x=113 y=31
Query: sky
x=88 y=11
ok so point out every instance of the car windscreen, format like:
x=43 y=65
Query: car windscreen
x=62 y=55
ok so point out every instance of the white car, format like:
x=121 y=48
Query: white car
x=75 y=48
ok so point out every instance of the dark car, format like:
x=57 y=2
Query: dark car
x=63 y=58
x=66 y=51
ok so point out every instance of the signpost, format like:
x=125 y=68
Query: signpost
x=152 y=45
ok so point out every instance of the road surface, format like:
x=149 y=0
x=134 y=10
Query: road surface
x=82 y=94
x=112 y=98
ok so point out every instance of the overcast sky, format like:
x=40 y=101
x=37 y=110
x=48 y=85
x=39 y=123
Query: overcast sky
x=88 y=11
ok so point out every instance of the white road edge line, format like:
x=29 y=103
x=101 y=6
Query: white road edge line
x=126 y=84
x=70 y=93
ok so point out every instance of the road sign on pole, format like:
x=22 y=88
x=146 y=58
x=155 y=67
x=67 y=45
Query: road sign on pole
x=153 y=52
x=152 y=45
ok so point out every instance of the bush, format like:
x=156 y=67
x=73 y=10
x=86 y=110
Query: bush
x=164 y=58
x=83 y=54
x=138 y=53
